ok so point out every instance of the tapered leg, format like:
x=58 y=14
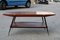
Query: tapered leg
x=13 y=20
x=46 y=25
x=42 y=19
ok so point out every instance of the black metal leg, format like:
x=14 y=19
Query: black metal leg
x=13 y=20
x=46 y=25
x=42 y=19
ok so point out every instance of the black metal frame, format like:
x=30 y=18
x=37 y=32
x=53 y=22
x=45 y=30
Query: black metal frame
x=43 y=21
x=13 y=20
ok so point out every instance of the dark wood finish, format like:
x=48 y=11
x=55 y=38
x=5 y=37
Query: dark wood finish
x=28 y=14
x=29 y=24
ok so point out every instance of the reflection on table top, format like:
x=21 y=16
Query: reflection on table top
x=29 y=14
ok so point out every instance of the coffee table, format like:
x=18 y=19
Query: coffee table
x=43 y=15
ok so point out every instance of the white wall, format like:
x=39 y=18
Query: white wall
x=33 y=1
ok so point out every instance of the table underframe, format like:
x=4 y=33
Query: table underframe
x=24 y=24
